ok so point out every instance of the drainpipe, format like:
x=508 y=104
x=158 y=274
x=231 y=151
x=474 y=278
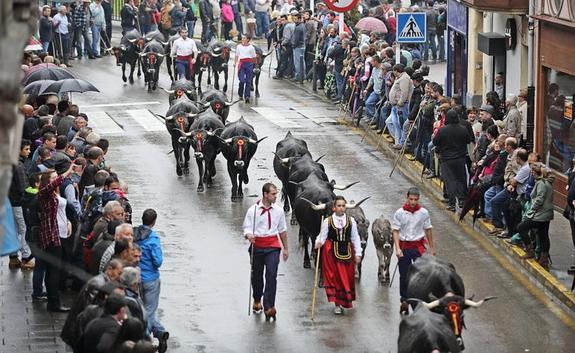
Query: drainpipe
x=530 y=80
x=487 y=60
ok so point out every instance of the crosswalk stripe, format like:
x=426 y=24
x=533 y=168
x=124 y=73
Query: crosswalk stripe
x=276 y=117
x=103 y=124
x=146 y=119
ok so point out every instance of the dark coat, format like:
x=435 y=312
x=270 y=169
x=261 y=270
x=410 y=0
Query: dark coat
x=452 y=139
x=46 y=30
x=206 y=11
x=100 y=335
x=416 y=98
x=18 y=185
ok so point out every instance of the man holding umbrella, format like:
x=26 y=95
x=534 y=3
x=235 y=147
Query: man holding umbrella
x=62 y=29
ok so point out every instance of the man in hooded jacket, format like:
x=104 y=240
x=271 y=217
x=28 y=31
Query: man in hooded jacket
x=150 y=263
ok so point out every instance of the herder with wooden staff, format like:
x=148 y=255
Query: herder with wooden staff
x=265 y=227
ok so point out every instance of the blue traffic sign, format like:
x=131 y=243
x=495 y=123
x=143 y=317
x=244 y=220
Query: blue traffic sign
x=411 y=27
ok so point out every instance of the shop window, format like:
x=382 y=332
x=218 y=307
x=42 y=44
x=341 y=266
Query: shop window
x=559 y=129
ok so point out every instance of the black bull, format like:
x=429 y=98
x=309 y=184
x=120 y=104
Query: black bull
x=203 y=136
x=127 y=53
x=152 y=57
x=430 y=278
x=239 y=144
x=287 y=148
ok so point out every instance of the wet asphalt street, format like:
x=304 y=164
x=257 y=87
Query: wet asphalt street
x=204 y=300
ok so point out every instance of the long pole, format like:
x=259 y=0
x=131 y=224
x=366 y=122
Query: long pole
x=341 y=23
x=251 y=263
x=315 y=277
x=234 y=80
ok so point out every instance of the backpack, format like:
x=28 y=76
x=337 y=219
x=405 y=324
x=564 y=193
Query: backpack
x=166 y=18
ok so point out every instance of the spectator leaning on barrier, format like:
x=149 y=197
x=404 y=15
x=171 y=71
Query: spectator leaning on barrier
x=399 y=97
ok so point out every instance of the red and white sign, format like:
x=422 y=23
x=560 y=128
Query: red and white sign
x=341 y=5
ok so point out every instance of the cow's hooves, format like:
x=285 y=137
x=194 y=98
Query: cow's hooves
x=200 y=188
x=286 y=208
x=179 y=171
x=131 y=81
x=209 y=184
x=124 y=79
x=306 y=264
x=186 y=171
x=257 y=94
x=293 y=222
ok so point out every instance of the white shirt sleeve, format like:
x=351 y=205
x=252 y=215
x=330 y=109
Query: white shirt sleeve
x=427 y=221
x=396 y=221
x=249 y=221
x=282 y=226
x=355 y=239
x=174 y=46
x=322 y=236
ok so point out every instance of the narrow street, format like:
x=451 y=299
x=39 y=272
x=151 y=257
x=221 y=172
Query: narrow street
x=204 y=300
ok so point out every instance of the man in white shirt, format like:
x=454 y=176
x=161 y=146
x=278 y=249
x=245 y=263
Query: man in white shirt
x=185 y=51
x=61 y=27
x=411 y=230
x=264 y=226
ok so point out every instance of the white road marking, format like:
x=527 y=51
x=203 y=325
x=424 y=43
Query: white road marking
x=276 y=117
x=146 y=119
x=120 y=104
x=103 y=123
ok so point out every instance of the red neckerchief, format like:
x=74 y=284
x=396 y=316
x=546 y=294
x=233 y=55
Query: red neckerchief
x=264 y=210
x=411 y=209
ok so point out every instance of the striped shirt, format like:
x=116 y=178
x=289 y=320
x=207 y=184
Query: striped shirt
x=48 y=202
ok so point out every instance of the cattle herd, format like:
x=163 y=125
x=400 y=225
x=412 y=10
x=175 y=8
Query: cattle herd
x=146 y=53
x=198 y=118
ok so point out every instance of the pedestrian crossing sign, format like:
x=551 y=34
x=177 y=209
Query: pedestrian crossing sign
x=411 y=27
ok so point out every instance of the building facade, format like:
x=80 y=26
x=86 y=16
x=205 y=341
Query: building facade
x=555 y=82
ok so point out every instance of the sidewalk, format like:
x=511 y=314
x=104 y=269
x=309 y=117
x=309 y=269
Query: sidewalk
x=557 y=281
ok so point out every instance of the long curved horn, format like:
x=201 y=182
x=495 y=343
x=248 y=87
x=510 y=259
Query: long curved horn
x=315 y=207
x=210 y=133
x=344 y=187
x=355 y=205
x=192 y=115
x=161 y=116
x=229 y=140
x=187 y=134
x=319 y=158
x=109 y=50
x=142 y=54
x=165 y=43
x=132 y=40
x=216 y=55
x=283 y=160
x=250 y=140
x=473 y=304
x=189 y=91
x=434 y=304
x=268 y=53
x=168 y=91
x=207 y=105
x=160 y=55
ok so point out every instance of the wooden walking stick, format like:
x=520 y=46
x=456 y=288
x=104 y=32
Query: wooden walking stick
x=315 y=277
x=252 y=264
x=234 y=80
x=270 y=66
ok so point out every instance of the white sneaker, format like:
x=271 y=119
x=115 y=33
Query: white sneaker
x=338 y=310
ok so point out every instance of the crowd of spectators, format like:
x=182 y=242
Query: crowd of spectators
x=74 y=223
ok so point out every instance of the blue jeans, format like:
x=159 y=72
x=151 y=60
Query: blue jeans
x=441 y=46
x=489 y=195
x=45 y=46
x=430 y=43
x=245 y=75
x=262 y=23
x=404 y=263
x=370 y=103
x=339 y=85
x=96 y=29
x=238 y=19
x=299 y=63
x=182 y=69
x=268 y=258
x=191 y=25
x=206 y=33
x=497 y=206
x=395 y=122
x=151 y=298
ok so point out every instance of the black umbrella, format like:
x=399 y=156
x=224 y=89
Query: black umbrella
x=71 y=85
x=472 y=202
x=47 y=73
x=34 y=88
